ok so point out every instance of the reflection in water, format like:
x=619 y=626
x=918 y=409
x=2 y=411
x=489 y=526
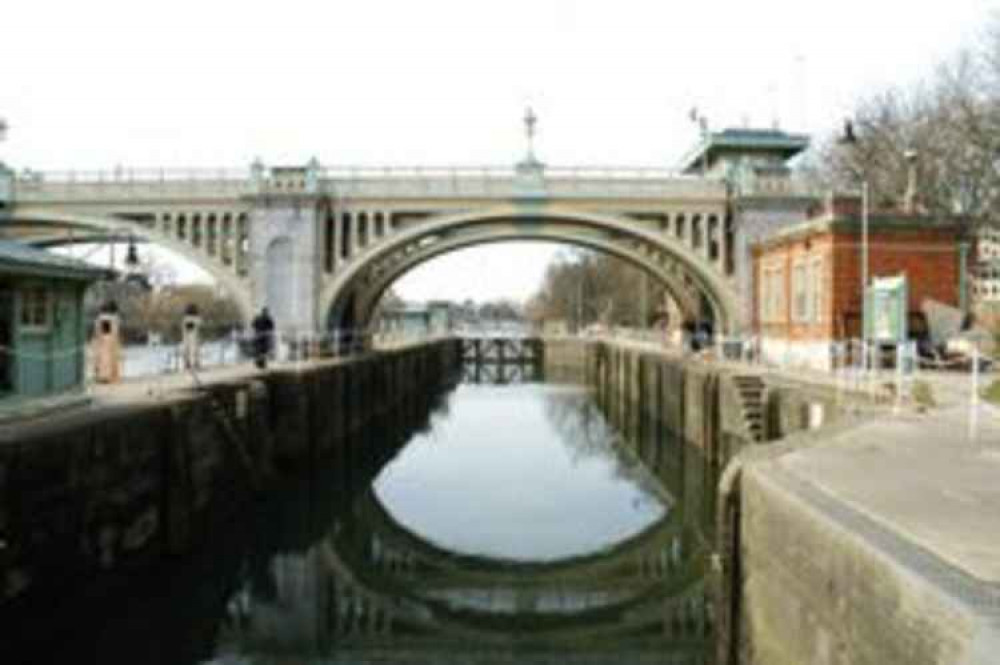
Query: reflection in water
x=342 y=568
x=506 y=476
x=390 y=581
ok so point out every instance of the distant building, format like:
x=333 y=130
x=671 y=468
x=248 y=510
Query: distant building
x=434 y=318
x=986 y=274
x=986 y=282
x=42 y=328
x=765 y=196
x=744 y=156
x=807 y=277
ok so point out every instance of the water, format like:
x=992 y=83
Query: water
x=555 y=487
x=151 y=360
x=512 y=524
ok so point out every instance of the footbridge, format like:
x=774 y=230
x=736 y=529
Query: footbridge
x=320 y=244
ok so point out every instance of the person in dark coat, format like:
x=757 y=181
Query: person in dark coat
x=263 y=337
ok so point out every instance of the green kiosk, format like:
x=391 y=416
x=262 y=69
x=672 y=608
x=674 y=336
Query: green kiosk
x=43 y=333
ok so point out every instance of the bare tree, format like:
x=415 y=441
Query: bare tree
x=951 y=122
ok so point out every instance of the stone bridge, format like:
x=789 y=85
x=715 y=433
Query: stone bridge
x=319 y=245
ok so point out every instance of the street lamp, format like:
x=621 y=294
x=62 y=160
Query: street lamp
x=851 y=140
x=697 y=117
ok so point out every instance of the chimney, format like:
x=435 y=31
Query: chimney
x=843 y=205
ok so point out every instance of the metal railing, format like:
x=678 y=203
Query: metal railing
x=284 y=348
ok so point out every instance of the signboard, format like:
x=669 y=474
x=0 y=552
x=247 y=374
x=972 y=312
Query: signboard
x=886 y=310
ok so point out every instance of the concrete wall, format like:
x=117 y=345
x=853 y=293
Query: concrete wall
x=701 y=406
x=815 y=592
x=113 y=489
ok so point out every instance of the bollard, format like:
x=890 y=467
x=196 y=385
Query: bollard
x=900 y=359
x=975 y=375
x=191 y=338
x=107 y=345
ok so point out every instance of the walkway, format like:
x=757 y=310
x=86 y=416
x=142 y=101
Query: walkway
x=922 y=493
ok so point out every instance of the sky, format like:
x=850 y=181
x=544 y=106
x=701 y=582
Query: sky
x=444 y=82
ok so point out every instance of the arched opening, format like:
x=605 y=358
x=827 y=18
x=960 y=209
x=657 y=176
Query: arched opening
x=348 y=298
x=171 y=273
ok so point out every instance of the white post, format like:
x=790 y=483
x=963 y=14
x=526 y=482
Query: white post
x=900 y=359
x=864 y=257
x=975 y=376
x=974 y=405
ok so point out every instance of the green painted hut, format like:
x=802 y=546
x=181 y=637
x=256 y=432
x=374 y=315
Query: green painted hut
x=43 y=333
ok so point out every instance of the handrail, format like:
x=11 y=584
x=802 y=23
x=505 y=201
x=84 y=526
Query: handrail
x=130 y=175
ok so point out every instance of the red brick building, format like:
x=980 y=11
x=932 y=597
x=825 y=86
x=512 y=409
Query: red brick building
x=807 y=278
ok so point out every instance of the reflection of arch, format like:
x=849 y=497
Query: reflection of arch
x=121 y=228
x=636 y=586
x=640 y=243
x=370 y=510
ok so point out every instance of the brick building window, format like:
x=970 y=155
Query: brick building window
x=771 y=293
x=816 y=291
x=778 y=294
x=807 y=291
x=800 y=292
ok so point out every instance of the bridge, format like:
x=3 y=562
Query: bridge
x=319 y=245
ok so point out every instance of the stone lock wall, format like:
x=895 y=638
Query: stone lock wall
x=816 y=593
x=700 y=404
x=112 y=490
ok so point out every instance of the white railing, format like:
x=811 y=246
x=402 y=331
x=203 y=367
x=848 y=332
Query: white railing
x=29 y=178
x=284 y=349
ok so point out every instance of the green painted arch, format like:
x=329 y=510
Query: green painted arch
x=557 y=219
x=372 y=293
x=232 y=283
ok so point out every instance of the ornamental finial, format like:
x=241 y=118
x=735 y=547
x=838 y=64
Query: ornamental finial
x=530 y=120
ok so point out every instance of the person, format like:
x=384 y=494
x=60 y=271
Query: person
x=263 y=335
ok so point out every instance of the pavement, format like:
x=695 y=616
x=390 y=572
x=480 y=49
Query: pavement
x=40 y=415
x=931 y=480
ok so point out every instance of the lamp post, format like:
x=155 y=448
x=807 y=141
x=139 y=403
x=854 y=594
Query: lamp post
x=697 y=117
x=850 y=140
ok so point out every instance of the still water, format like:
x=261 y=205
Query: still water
x=506 y=524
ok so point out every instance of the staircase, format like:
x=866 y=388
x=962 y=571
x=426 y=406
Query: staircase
x=751 y=390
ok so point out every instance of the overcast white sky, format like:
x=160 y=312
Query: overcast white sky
x=181 y=83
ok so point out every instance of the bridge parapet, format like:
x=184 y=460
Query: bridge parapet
x=415 y=182
x=131 y=185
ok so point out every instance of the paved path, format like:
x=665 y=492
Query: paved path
x=923 y=489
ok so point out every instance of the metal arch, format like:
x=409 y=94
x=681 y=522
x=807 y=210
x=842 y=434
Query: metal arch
x=231 y=282
x=385 y=279
x=712 y=284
